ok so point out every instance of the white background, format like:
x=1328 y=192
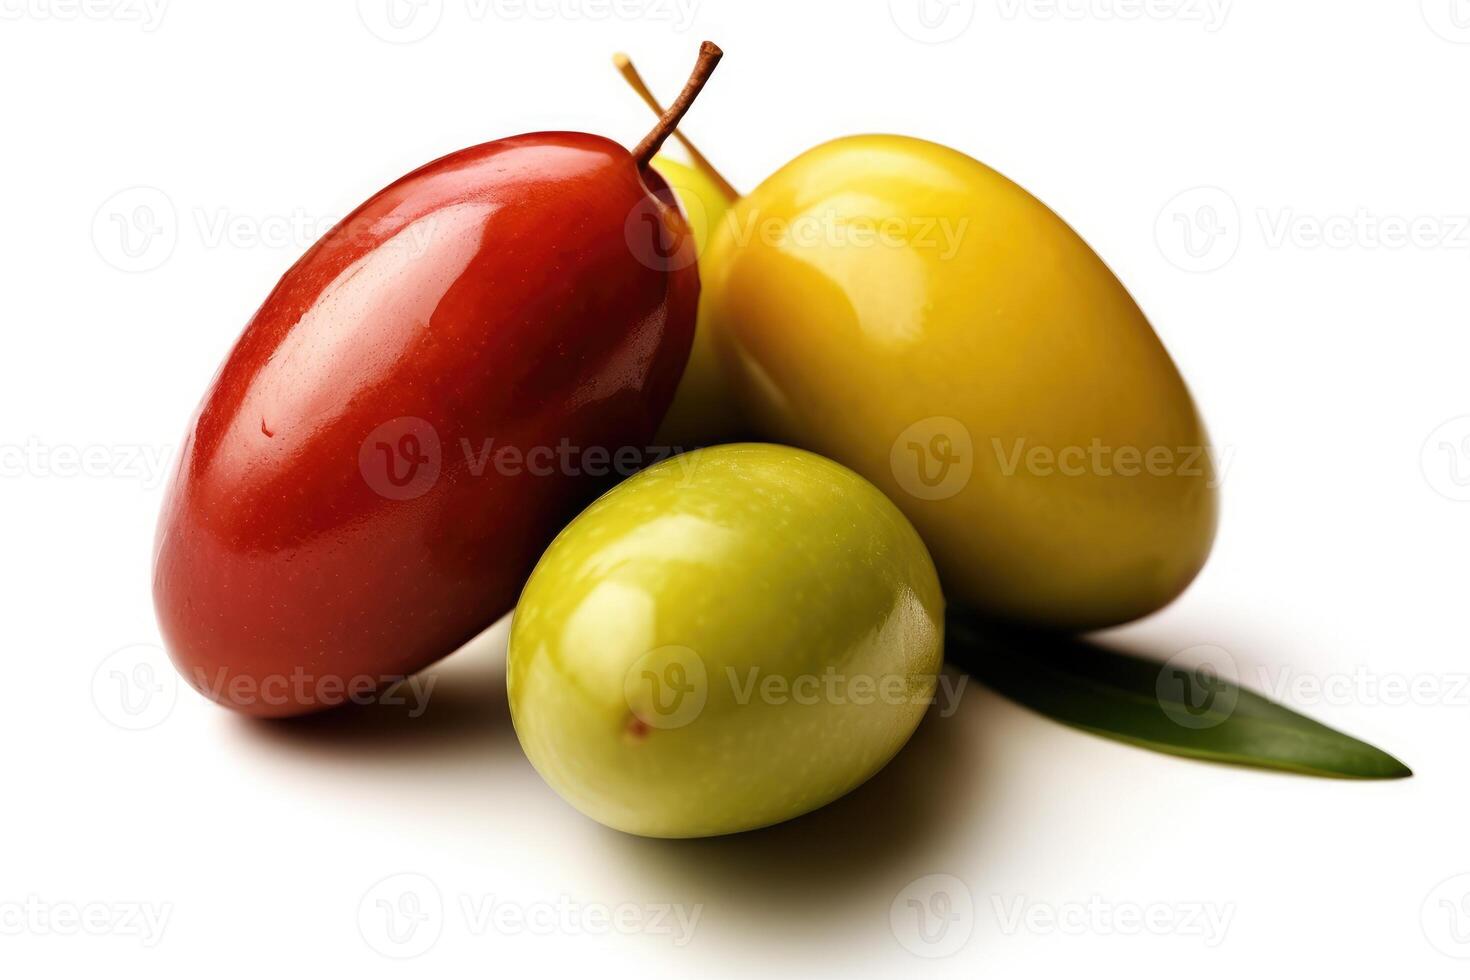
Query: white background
x=1331 y=372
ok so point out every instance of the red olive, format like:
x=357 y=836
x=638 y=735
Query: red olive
x=421 y=403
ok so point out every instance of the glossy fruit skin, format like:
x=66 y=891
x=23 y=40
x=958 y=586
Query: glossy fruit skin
x=965 y=322
x=689 y=577
x=327 y=525
x=705 y=411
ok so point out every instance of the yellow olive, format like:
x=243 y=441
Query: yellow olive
x=905 y=310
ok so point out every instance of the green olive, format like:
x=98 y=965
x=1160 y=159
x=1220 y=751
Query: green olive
x=731 y=638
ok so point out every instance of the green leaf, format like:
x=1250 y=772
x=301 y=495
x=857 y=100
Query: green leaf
x=1180 y=709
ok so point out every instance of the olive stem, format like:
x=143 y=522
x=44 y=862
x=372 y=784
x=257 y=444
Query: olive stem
x=635 y=81
x=709 y=56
